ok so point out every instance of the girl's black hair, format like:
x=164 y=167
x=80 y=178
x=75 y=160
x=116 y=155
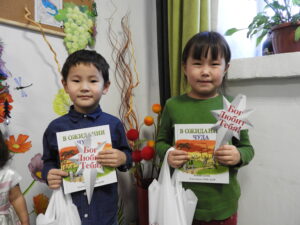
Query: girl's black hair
x=86 y=57
x=4 y=153
x=200 y=44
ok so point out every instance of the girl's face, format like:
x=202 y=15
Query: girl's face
x=85 y=86
x=205 y=76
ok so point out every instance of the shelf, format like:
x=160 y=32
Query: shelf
x=271 y=66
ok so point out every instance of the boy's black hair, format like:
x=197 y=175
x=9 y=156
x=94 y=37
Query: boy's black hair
x=4 y=153
x=86 y=57
x=200 y=44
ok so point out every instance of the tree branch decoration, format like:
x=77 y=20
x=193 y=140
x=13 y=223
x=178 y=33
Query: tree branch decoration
x=126 y=80
x=27 y=17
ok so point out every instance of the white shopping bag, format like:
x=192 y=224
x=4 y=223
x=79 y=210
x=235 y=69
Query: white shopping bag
x=169 y=203
x=60 y=211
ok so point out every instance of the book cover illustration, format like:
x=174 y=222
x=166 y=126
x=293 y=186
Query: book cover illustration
x=199 y=141
x=77 y=151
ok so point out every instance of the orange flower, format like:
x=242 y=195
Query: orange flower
x=40 y=203
x=6 y=96
x=2 y=109
x=19 y=146
x=151 y=143
x=148 y=120
x=156 y=108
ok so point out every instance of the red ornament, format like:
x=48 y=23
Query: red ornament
x=136 y=156
x=147 y=153
x=132 y=134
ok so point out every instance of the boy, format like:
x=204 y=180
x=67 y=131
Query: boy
x=86 y=79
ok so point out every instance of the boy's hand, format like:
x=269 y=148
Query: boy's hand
x=111 y=157
x=54 y=178
x=177 y=158
x=228 y=155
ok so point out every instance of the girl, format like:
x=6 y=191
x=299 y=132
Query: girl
x=205 y=61
x=10 y=193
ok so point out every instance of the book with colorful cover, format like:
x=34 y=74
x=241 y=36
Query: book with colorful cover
x=199 y=141
x=77 y=154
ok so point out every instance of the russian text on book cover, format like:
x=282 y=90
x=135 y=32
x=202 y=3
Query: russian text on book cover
x=77 y=151
x=199 y=140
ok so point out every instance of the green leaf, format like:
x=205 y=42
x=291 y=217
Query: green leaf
x=258 y=40
x=296 y=2
x=69 y=5
x=83 y=8
x=94 y=9
x=276 y=5
x=261 y=36
x=139 y=142
x=297 y=34
x=61 y=15
x=253 y=32
x=91 y=42
x=90 y=14
x=231 y=31
x=295 y=18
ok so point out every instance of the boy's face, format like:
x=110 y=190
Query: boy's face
x=85 y=86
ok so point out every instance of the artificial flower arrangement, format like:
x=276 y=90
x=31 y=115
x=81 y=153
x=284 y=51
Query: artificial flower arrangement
x=79 y=25
x=5 y=98
x=20 y=144
x=143 y=150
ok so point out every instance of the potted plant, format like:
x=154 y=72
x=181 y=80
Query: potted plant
x=283 y=26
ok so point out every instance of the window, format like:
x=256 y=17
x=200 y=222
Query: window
x=239 y=14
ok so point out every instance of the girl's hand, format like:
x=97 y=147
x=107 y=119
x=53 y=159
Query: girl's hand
x=111 y=157
x=54 y=178
x=177 y=158
x=228 y=155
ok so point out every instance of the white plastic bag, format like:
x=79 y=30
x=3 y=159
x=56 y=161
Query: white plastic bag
x=60 y=211
x=169 y=203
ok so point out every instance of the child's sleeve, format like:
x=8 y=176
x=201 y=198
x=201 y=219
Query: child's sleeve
x=245 y=148
x=124 y=147
x=15 y=178
x=50 y=154
x=166 y=133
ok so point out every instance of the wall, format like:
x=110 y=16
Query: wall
x=270 y=184
x=27 y=55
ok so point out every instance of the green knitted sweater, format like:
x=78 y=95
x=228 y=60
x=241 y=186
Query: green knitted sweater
x=215 y=201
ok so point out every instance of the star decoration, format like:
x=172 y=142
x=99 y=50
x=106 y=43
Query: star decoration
x=88 y=166
x=231 y=120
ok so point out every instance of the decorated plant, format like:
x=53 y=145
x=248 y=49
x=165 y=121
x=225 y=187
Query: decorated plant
x=143 y=149
x=262 y=23
x=79 y=26
x=5 y=97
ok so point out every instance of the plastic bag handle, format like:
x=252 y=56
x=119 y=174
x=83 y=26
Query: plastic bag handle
x=165 y=175
x=51 y=211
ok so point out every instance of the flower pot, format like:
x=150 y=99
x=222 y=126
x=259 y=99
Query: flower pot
x=283 y=38
x=142 y=199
